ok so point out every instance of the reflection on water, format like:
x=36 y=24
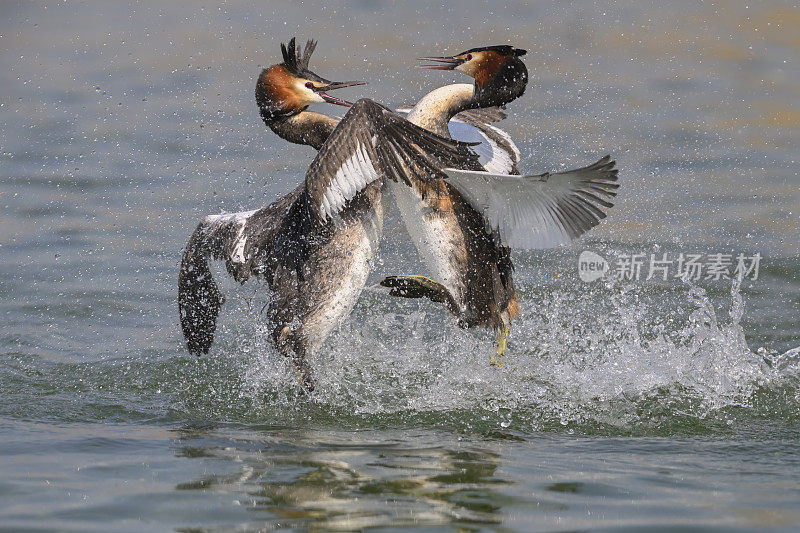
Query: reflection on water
x=340 y=480
x=347 y=482
x=222 y=477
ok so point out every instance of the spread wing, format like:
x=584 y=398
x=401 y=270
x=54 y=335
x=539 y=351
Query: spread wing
x=244 y=241
x=540 y=211
x=372 y=142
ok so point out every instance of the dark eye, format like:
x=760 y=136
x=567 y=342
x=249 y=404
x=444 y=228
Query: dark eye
x=469 y=57
x=309 y=85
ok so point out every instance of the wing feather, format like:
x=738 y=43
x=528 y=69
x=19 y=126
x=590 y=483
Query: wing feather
x=199 y=297
x=244 y=241
x=540 y=211
x=497 y=151
x=371 y=142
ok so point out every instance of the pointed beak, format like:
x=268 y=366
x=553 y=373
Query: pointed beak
x=450 y=63
x=322 y=91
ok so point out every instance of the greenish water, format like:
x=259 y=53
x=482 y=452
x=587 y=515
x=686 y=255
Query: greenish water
x=639 y=404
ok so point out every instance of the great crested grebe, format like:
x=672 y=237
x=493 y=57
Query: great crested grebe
x=463 y=228
x=251 y=243
x=313 y=246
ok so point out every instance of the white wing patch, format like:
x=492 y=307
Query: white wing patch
x=494 y=158
x=508 y=139
x=354 y=174
x=241 y=218
x=535 y=211
x=237 y=256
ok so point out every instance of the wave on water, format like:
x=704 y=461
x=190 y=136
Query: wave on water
x=602 y=358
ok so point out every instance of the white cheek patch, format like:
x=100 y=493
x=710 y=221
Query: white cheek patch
x=306 y=94
x=469 y=67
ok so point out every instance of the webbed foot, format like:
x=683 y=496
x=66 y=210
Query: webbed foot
x=413 y=286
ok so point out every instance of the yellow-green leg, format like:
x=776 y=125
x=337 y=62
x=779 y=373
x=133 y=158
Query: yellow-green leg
x=502 y=338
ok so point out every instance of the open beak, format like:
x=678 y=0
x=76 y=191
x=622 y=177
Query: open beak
x=450 y=63
x=322 y=91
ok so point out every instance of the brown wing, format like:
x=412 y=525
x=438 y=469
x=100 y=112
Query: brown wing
x=245 y=241
x=372 y=142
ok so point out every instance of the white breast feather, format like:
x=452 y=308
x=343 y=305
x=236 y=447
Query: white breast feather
x=430 y=237
x=361 y=250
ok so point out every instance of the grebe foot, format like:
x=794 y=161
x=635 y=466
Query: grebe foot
x=502 y=338
x=414 y=286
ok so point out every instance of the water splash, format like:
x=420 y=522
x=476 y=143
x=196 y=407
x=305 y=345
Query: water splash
x=614 y=356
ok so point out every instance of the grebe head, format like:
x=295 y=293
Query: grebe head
x=288 y=88
x=500 y=75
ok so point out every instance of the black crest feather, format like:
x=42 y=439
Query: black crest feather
x=293 y=60
x=503 y=49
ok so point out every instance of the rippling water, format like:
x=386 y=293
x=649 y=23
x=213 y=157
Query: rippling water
x=622 y=405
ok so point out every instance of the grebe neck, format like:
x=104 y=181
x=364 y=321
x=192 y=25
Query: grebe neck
x=305 y=127
x=434 y=111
